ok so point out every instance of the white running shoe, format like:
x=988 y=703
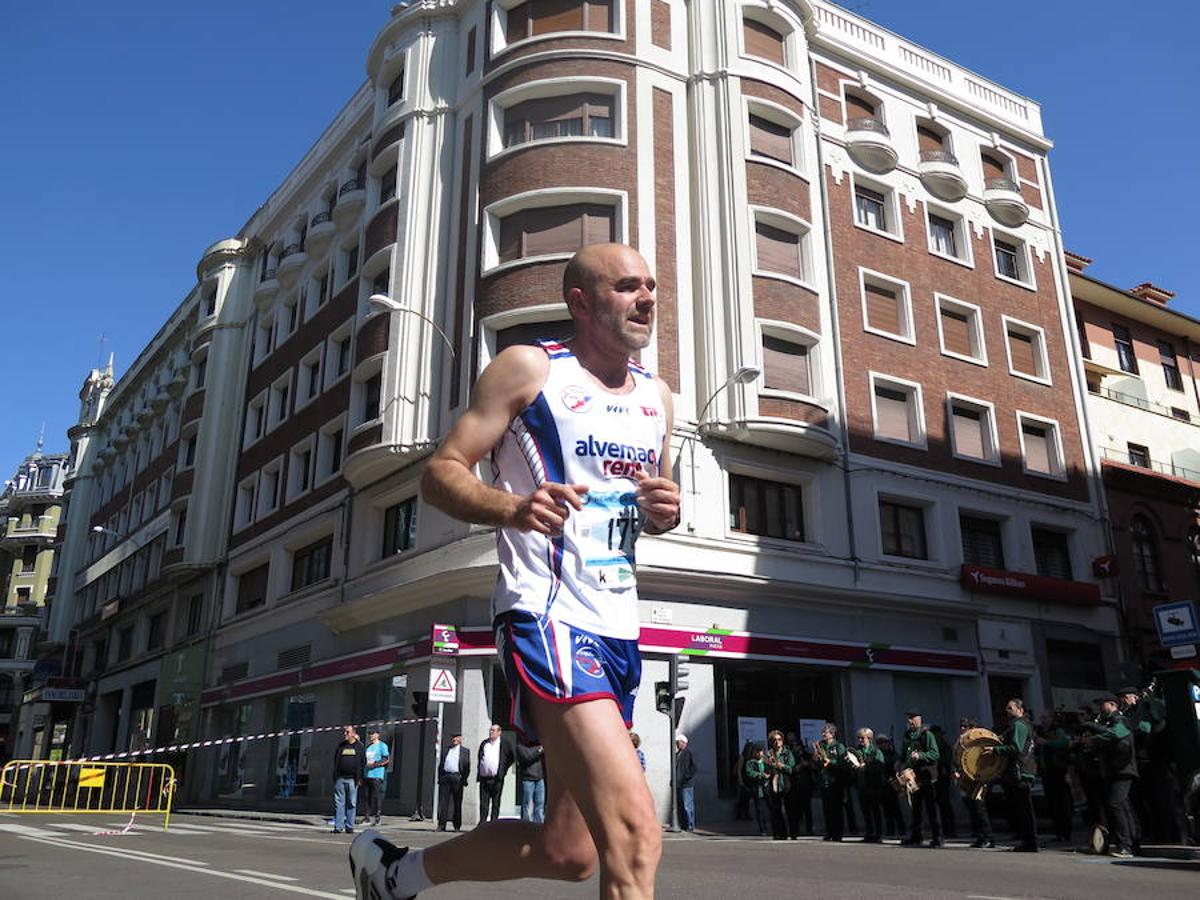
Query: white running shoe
x=371 y=856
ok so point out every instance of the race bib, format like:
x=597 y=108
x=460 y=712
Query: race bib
x=606 y=530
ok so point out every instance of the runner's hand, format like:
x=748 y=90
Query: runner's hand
x=658 y=498
x=547 y=508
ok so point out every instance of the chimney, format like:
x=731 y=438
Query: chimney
x=1075 y=262
x=1147 y=290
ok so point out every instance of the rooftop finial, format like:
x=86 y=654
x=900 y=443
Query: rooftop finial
x=41 y=438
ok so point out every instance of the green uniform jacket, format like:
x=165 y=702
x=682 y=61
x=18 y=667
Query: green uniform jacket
x=756 y=777
x=1115 y=742
x=924 y=744
x=785 y=762
x=1054 y=753
x=835 y=772
x=872 y=777
x=1016 y=746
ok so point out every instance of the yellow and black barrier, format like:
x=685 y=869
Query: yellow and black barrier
x=43 y=786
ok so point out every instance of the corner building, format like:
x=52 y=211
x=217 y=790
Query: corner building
x=897 y=509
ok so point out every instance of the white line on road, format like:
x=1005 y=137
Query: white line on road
x=266 y=875
x=191 y=866
x=28 y=831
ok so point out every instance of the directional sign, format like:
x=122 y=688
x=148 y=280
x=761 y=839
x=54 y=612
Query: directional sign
x=1176 y=623
x=443 y=686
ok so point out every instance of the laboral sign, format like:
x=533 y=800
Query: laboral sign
x=1035 y=587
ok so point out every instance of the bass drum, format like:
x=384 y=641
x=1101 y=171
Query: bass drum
x=973 y=762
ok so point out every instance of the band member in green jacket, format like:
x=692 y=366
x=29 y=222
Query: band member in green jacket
x=754 y=775
x=779 y=764
x=1054 y=758
x=1111 y=735
x=1018 y=776
x=829 y=759
x=919 y=752
x=871 y=775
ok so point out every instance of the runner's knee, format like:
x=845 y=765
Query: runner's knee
x=575 y=861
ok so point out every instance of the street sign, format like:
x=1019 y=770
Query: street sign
x=1183 y=651
x=443 y=686
x=444 y=641
x=1176 y=623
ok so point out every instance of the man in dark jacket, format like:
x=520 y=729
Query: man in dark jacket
x=1119 y=766
x=1018 y=776
x=349 y=767
x=454 y=770
x=685 y=774
x=495 y=759
x=531 y=775
x=919 y=752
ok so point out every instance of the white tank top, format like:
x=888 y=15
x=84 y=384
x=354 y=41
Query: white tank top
x=575 y=432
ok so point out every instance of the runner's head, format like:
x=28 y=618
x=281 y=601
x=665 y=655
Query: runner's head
x=609 y=291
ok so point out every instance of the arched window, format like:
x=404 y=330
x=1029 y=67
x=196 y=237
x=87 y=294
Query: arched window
x=1145 y=554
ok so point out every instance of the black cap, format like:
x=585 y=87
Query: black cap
x=1106 y=698
x=913 y=712
x=1127 y=690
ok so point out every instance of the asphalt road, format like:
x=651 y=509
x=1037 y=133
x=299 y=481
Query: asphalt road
x=63 y=858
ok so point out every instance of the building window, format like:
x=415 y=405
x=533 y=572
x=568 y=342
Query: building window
x=1085 y=348
x=29 y=558
x=530 y=333
x=902 y=528
x=387 y=185
x=124 y=643
x=766 y=508
x=351 y=261
x=381 y=283
x=210 y=300
x=180 y=525
x=311 y=564
x=1166 y=353
x=371 y=391
x=1145 y=554
x=343 y=356
x=400 y=527
x=547 y=230
x=310 y=377
x=1126 y=358
x=870 y=208
x=538 y=17
x=256 y=419
x=189 y=451
x=942 y=236
x=546 y=118
x=1139 y=455
x=329 y=452
x=252 y=588
x=973 y=429
x=982 y=541
x=246 y=500
x=887 y=307
x=960 y=329
x=280 y=396
x=157 y=631
x=1012 y=260
x=780 y=251
x=1039 y=446
x=786 y=366
x=300 y=470
x=195 y=609
x=763 y=41
x=268 y=488
x=1051 y=552
x=396 y=89
x=898 y=414
x=772 y=140
x=1026 y=350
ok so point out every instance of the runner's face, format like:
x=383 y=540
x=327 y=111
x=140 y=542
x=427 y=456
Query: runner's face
x=621 y=302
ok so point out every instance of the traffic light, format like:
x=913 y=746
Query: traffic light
x=662 y=697
x=682 y=671
x=420 y=704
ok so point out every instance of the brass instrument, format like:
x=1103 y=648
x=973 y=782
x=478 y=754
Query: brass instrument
x=775 y=777
x=820 y=755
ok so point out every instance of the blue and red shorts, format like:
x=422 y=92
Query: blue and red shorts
x=559 y=663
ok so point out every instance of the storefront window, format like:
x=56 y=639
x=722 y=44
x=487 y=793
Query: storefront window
x=292 y=755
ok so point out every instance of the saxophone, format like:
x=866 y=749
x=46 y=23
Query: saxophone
x=820 y=755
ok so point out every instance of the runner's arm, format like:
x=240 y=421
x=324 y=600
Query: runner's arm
x=659 y=496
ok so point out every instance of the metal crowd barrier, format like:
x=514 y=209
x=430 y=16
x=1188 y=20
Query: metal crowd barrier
x=41 y=786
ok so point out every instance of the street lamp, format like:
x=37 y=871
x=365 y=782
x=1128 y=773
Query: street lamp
x=383 y=303
x=742 y=375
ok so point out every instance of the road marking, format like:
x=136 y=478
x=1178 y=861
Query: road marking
x=29 y=831
x=266 y=875
x=190 y=866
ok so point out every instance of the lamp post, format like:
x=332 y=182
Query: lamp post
x=742 y=375
x=383 y=303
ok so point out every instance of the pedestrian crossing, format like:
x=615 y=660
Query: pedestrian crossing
x=38 y=826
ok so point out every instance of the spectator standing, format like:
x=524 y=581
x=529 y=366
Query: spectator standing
x=453 y=775
x=378 y=755
x=349 y=766
x=636 y=740
x=531 y=768
x=685 y=774
x=754 y=777
x=495 y=758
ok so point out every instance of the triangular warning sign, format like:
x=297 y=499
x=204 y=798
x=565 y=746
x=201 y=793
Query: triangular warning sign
x=443 y=681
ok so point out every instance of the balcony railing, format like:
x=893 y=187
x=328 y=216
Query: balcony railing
x=1116 y=454
x=267 y=275
x=1136 y=402
x=867 y=123
x=1001 y=183
x=939 y=156
x=320 y=219
x=354 y=184
x=290 y=250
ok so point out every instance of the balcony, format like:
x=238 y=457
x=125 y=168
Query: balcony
x=941 y=175
x=267 y=287
x=352 y=197
x=1002 y=197
x=320 y=230
x=291 y=263
x=869 y=144
x=1126 y=459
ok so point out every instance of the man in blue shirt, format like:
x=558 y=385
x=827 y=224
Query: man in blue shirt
x=378 y=757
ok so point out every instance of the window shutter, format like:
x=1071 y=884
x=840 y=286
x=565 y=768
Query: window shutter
x=598 y=225
x=552 y=230
x=785 y=366
x=556 y=15
x=928 y=139
x=1020 y=348
x=982 y=543
x=778 y=250
x=956 y=332
x=770 y=139
x=598 y=15
x=968 y=432
x=763 y=41
x=517 y=27
x=883 y=308
x=891 y=414
x=859 y=108
x=511 y=228
x=1037 y=448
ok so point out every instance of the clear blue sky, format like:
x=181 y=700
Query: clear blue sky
x=134 y=134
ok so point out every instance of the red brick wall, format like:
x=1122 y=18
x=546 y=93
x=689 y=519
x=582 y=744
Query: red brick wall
x=660 y=24
x=786 y=302
x=664 y=238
